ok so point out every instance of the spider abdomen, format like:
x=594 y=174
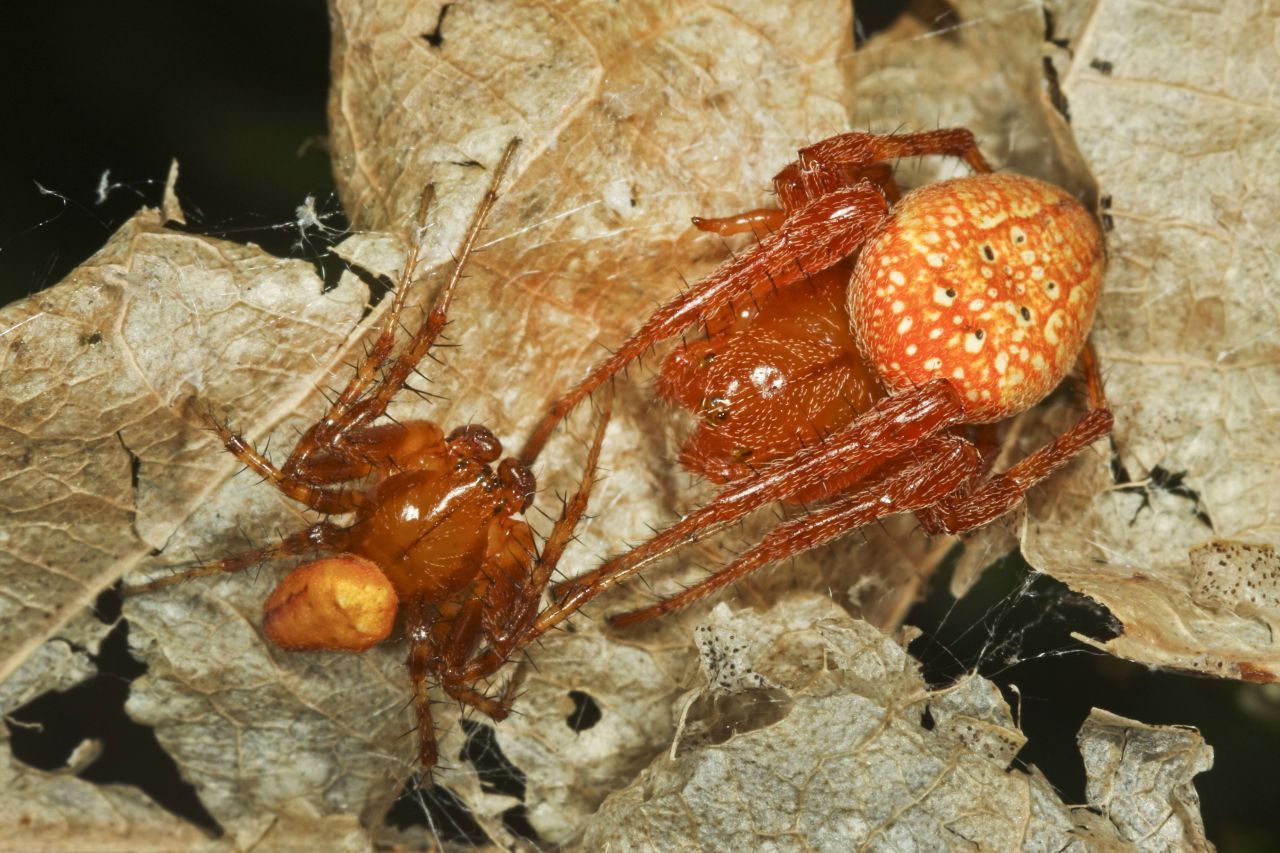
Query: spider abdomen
x=989 y=281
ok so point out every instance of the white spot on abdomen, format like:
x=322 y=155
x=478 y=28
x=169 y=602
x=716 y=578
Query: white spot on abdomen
x=1053 y=326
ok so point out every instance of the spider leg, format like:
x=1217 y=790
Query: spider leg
x=521 y=606
x=937 y=467
x=422 y=651
x=399 y=371
x=762 y=220
x=322 y=536
x=841 y=160
x=361 y=450
x=799 y=182
x=305 y=491
x=966 y=510
x=817 y=236
x=496 y=709
x=861 y=150
x=463 y=636
x=358 y=405
x=888 y=430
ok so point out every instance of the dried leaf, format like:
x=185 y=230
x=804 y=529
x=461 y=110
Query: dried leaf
x=1139 y=776
x=828 y=738
x=101 y=372
x=1182 y=143
x=633 y=118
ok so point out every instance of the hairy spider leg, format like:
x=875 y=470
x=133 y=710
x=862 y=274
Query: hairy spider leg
x=827 y=220
x=818 y=235
x=933 y=469
x=764 y=220
x=951 y=472
x=321 y=536
x=366 y=396
x=309 y=492
x=859 y=150
x=886 y=431
x=969 y=508
x=421 y=651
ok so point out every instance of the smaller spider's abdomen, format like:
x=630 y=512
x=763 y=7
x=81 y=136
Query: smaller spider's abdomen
x=778 y=373
x=989 y=281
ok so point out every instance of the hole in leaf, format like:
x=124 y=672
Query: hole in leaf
x=586 y=712
x=497 y=774
x=435 y=38
x=439 y=810
x=872 y=18
x=45 y=732
x=516 y=819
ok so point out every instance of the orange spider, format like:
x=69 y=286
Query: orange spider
x=433 y=536
x=849 y=351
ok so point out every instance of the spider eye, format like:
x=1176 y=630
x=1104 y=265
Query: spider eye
x=477 y=442
x=715 y=410
x=515 y=476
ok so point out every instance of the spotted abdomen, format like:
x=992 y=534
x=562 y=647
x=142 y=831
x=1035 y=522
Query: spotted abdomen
x=989 y=281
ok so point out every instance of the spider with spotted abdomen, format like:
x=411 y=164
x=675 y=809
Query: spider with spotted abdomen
x=861 y=353
x=434 y=537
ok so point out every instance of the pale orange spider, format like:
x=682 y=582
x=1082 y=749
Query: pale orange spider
x=434 y=533
x=850 y=350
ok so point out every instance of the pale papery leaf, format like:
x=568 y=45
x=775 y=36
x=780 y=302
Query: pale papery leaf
x=632 y=119
x=900 y=766
x=1176 y=535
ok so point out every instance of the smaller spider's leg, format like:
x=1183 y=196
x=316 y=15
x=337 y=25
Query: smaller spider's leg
x=888 y=430
x=366 y=372
x=512 y=607
x=422 y=650
x=319 y=537
x=860 y=150
x=365 y=400
x=323 y=433
x=966 y=510
x=306 y=492
x=373 y=406
x=496 y=709
x=461 y=640
x=566 y=525
x=386 y=447
x=937 y=467
x=824 y=232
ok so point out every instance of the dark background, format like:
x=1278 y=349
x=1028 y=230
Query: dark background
x=236 y=91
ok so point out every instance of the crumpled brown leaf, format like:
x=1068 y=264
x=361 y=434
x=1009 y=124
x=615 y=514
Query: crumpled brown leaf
x=1182 y=143
x=631 y=123
x=824 y=736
